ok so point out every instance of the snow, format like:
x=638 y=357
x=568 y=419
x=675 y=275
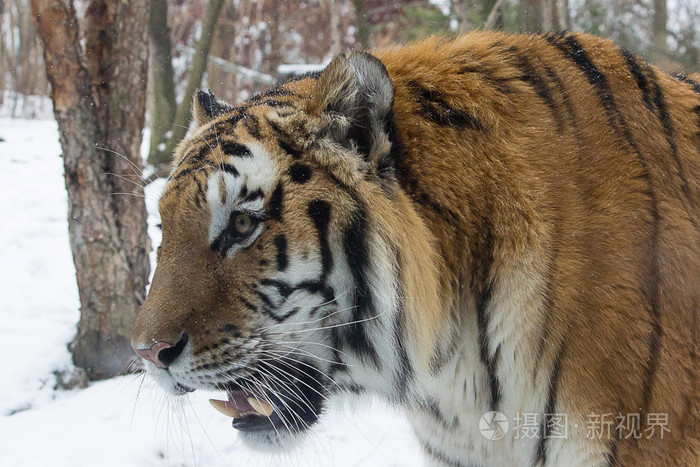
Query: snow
x=125 y=421
x=299 y=68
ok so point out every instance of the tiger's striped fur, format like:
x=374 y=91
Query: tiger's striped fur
x=487 y=223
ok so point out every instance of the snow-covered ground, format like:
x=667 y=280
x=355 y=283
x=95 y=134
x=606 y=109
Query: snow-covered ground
x=125 y=421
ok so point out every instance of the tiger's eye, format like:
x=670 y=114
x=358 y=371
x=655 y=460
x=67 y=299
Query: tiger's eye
x=243 y=223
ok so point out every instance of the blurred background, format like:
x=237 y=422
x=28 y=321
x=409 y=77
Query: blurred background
x=253 y=40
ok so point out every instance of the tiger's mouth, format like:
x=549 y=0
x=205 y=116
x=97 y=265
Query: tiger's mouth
x=292 y=404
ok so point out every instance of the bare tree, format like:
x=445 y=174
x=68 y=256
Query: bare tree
x=180 y=122
x=530 y=16
x=334 y=26
x=99 y=99
x=659 y=49
x=493 y=15
x=460 y=8
x=563 y=19
x=362 y=23
x=163 y=104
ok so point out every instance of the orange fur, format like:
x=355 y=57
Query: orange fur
x=527 y=170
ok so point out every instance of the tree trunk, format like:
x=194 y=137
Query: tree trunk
x=659 y=48
x=194 y=81
x=362 y=23
x=99 y=103
x=530 y=16
x=336 y=34
x=276 y=39
x=547 y=12
x=493 y=18
x=492 y=14
x=163 y=105
x=563 y=20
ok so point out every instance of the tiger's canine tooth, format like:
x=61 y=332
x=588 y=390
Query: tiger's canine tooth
x=261 y=407
x=225 y=408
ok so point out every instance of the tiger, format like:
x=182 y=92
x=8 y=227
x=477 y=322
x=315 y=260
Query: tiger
x=490 y=232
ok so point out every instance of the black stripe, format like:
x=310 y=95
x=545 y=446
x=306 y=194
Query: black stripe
x=274 y=92
x=499 y=83
x=573 y=51
x=320 y=212
x=249 y=305
x=201 y=195
x=229 y=169
x=299 y=173
x=437 y=110
x=549 y=409
x=314 y=75
x=201 y=156
x=566 y=100
x=252 y=124
x=482 y=287
x=694 y=84
x=284 y=289
x=652 y=85
x=281 y=245
x=431 y=407
x=183 y=173
x=404 y=370
x=357 y=255
x=665 y=118
x=317 y=287
x=276 y=103
x=538 y=84
x=277 y=129
x=636 y=71
x=443 y=354
x=265 y=299
x=290 y=150
x=275 y=207
x=439 y=456
x=252 y=196
x=236 y=150
x=280 y=318
x=611 y=457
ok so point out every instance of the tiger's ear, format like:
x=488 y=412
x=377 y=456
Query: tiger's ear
x=356 y=95
x=207 y=107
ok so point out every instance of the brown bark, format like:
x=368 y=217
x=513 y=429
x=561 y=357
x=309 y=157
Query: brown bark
x=363 y=31
x=529 y=12
x=659 y=48
x=460 y=9
x=163 y=105
x=493 y=16
x=99 y=104
x=275 y=57
x=491 y=10
x=334 y=26
x=199 y=66
x=563 y=20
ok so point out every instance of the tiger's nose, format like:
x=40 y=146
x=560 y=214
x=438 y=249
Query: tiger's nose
x=161 y=354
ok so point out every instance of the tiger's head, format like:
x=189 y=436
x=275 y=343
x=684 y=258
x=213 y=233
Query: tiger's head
x=282 y=278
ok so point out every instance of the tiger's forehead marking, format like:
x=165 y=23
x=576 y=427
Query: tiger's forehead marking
x=243 y=189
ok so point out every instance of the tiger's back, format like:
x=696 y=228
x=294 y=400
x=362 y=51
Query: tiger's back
x=560 y=177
